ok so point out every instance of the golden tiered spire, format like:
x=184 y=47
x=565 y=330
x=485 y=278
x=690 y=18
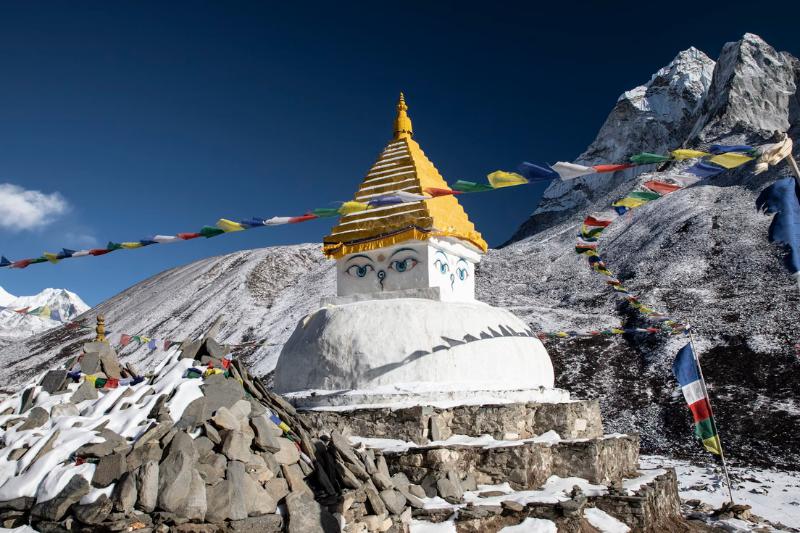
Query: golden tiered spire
x=402 y=123
x=401 y=167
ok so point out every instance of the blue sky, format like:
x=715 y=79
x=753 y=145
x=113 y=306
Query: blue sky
x=137 y=118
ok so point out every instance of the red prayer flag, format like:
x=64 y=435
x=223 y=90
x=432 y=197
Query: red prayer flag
x=591 y=221
x=124 y=339
x=611 y=168
x=22 y=263
x=700 y=410
x=112 y=383
x=167 y=344
x=436 y=192
x=98 y=251
x=661 y=187
x=226 y=363
x=22 y=311
x=187 y=236
x=302 y=218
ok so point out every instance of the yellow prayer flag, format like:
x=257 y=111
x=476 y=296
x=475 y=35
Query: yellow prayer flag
x=730 y=160
x=501 y=178
x=90 y=378
x=53 y=258
x=45 y=312
x=617 y=331
x=629 y=202
x=130 y=245
x=713 y=445
x=352 y=207
x=229 y=225
x=685 y=153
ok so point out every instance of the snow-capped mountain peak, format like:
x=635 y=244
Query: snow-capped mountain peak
x=55 y=305
x=6 y=297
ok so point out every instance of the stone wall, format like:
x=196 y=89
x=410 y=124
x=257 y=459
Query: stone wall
x=654 y=508
x=571 y=420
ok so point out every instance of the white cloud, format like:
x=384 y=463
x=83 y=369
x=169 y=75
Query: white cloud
x=21 y=209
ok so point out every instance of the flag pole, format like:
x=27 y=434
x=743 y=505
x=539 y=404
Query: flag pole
x=711 y=412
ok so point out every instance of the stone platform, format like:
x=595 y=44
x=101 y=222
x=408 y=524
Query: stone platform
x=423 y=424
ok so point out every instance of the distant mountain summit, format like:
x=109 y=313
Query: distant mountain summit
x=52 y=305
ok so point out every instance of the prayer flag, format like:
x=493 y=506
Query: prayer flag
x=124 y=339
x=147 y=242
x=4 y=262
x=611 y=168
x=166 y=239
x=730 y=160
x=350 y=207
x=685 y=153
x=53 y=258
x=22 y=263
x=111 y=246
x=644 y=195
x=646 y=158
x=167 y=344
x=252 y=222
x=325 y=212
x=210 y=231
x=151 y=344
x=302 y=218
x=55 y=315
x=22 y=311
x=65 y=253
x=501 y=178
x=687 y=372
x=470 y=186
x=593 y=221
x=81 y=253
x=722 y=149
x=229 y=225
x=436 y=192
x=187 y=236
x=769 y=155
x=629 y=202
x=661 y=187
x=537 y=171
x=783 y=199
x=569 y=171
x=130 y=245
x=701 y=169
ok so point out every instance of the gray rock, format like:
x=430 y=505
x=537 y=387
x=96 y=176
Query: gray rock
x=382 y=482
x=175 y=473
x=439 y=428
x=54 y=381
x=374 y=499
x=413 y=500
x=55 y=508
x=212 y=434
x=22 y=503
x=394 y=500
x=278 y=488
x=85 y=391
x=221 y=392
x=257 y=500
x=189 y=349
x=195 y=414
x=48 y=446
x=256 y=408
x=512 y=505
x=155 y=432
x=95 y=512
x=216 y=350
x=37 y=417
x=225 y=419
x=417 y=491
x=18 y=453
x=147 y=484
x=109 y=469
x=294 y=476
x=288 y=453
x=469 y=483
x=194 y=506
x=241 y=410
x=124 y=495
x=383 y=468
x=213 y=471
x=26 y=401
x=265 y=438
x=139 y=456
x=307 y=516
x=90 y=362
x=449 y=490
x=110 y=364
x=236 y=445
x=64 y=409
x=226 y=499
x=270 y=523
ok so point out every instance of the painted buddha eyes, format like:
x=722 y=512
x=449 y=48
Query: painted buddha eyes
x=403 y=265
x=443 y=267
x=359 y=271
x=462 y=273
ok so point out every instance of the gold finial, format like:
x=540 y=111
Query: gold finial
x=402 y=124
x=100 y=329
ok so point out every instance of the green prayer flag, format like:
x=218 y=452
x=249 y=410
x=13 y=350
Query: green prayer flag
x=646 y=158
x=38 y=260
x=99 y=383
x=324 y=212
x=210 y=231
x=644 y=195
x=469 y=186
x=111 y=246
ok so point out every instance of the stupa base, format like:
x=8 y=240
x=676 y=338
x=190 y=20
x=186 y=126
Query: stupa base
x=437 y=395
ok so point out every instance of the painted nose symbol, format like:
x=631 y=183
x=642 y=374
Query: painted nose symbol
x=381 y=277
x=452 y=280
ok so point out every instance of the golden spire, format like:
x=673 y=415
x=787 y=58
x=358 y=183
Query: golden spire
x=402 y=124
x=100 y=329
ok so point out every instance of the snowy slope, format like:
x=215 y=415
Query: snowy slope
x=6 y=297
x=17 y=326
x=700 y=254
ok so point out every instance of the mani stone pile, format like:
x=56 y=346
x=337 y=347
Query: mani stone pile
x=200 y=445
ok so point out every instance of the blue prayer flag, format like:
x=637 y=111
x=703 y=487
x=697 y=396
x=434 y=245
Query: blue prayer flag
x=783 y=199
x=538 y=171
x=4 y=262
x=685 y=366
x=717 y=149
x=701 y=169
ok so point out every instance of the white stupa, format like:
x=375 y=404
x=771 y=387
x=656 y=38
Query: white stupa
x=405 y=325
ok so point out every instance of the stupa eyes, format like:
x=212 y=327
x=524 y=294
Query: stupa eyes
x=359 y=271
x=443 y=267
x=403 y=265
x=461 y=270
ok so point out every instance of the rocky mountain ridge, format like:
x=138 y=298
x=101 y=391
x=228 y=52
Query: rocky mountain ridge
x=14 y=325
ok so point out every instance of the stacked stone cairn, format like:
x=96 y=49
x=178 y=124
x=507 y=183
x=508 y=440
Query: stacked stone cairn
x=233 y=456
